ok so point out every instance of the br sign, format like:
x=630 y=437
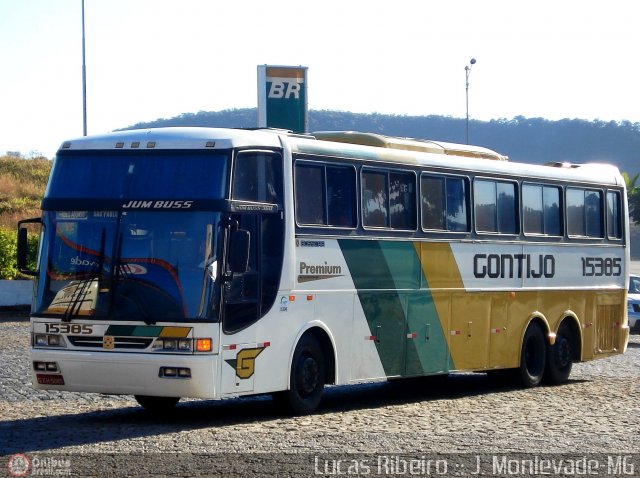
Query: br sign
x=282 y=97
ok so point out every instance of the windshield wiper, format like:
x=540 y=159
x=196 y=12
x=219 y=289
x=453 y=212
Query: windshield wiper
x=84 y=286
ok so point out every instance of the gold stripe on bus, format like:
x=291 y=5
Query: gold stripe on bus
x=175 y=332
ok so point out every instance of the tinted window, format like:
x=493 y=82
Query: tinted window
x=375 y=202
x=325 y=195
x=402 y=201
x=584 y=212
x=495 y=206
x=432 y=202
x=444 y=203
x=541 y=210
x=341 y=196
x=155 y=174
x=552 y=215
x=256 y=177
x=310 y=194
x=388 y=199
x=614 y=223
x=507 y=215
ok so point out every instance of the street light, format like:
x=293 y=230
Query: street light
x=467 y=71
x=84 y=81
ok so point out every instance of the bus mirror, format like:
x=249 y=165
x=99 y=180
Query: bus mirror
x=239 y=253
x=23 y=247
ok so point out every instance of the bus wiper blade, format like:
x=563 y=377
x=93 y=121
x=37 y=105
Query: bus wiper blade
x=84 y=286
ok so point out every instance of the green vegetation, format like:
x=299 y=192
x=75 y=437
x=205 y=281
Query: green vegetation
x=633 y=191
x=22 y=184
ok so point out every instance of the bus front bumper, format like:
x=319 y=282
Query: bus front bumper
x=125 y=373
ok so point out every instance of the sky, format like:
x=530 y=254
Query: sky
x=150 y=59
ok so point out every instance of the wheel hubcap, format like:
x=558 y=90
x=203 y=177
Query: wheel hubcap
x=563 y=356
x=308 y=377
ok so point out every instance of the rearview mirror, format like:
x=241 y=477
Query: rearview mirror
x=22 y=258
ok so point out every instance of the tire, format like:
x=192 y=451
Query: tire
x=532 y=358
x=156 y=404
x=307 y=377
x=560 y=357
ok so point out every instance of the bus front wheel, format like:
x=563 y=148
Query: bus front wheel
x=156 y=404
x=532 y=357
x=307 y=377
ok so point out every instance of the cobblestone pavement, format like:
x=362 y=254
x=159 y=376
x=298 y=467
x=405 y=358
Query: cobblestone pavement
x=598 y=411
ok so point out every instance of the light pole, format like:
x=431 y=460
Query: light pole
x=84 y=81
x=467 y=71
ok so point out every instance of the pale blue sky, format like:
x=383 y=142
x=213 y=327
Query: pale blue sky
x=149 y=59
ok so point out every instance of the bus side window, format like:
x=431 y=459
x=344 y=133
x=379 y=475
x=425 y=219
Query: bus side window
x=310 y=197
x=341 y=196
x=541 y=210
x=496 y=206
x=614 y=223
x=584 y=212
x=444 y=202
x=257 y=177
x=375 y=202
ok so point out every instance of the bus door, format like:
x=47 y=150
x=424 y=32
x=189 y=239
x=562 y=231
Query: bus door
x=249 y=290
x=247 y=294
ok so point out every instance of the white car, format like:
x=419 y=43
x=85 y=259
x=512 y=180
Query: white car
x=633 y=303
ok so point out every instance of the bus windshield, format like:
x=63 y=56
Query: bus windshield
x=130 y=265
x=134 y=174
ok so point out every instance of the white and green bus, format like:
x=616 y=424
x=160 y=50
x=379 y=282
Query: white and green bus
x=212 y=263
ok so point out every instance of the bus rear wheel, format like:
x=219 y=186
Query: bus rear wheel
x=156 y=404
x=560 y=357
x=532 y=358
x=307 y=377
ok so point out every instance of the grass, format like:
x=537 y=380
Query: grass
x=22 y=185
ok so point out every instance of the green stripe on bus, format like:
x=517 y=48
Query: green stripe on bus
x=388 y=278
x=133 y=330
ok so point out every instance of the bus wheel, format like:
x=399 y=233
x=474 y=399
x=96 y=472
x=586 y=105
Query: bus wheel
x=156 y=404
x=532 y=357
x=560 y=357
x=307 y=377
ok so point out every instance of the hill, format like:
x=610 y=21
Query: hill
x=530 y=140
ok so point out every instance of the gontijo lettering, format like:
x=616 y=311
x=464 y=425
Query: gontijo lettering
x=513 y=265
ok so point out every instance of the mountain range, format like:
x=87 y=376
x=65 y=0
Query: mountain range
x=530 y=140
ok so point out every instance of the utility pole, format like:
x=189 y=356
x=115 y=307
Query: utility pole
x=467 y=71
x=84 y=81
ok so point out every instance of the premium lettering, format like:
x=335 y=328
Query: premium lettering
x=319 y=269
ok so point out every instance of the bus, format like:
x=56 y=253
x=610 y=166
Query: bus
x=213 y=263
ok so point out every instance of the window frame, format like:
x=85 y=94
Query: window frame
x=516 y=209
x=618 y=194
x=278 y=172
x=561 y=210
x=324 y=165
x=467 y=181
x=603 y=226
x=388 y=172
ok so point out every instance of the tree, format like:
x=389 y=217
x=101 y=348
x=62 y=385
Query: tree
x=633 y=192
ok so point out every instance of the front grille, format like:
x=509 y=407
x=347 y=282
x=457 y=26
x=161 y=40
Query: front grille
x=119 y=343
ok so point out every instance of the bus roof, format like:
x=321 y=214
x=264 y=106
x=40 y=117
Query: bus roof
x=176 y=138
x=349 y=144
x=408 y=144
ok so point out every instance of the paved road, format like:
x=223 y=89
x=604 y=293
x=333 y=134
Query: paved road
x=462 y=419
